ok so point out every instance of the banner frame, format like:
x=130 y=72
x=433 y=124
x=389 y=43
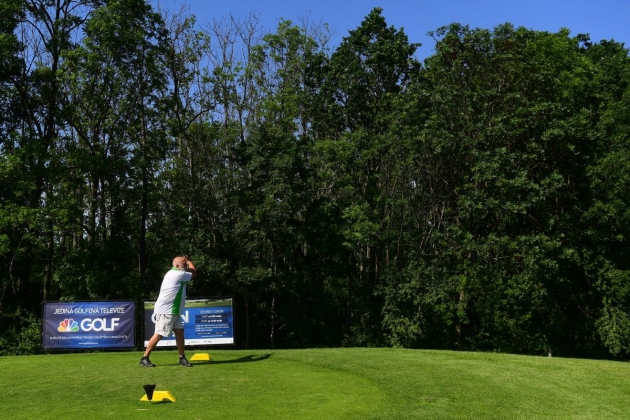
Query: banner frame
x=205 y=345
x=133 y=334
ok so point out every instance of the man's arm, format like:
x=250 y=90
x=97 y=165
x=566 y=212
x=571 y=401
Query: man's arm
x=191 y=266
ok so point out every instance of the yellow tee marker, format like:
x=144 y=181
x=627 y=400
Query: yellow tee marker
x=159 y=396
x=201 y=357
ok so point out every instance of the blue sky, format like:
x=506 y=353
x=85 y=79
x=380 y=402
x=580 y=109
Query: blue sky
x=602 y=19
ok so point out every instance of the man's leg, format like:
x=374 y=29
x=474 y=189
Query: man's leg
x=144 y=361
x=152 y=343
x=179 y=340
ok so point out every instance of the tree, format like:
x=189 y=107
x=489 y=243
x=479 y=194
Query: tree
x=510 y=131
x=362 y=140
x=11 y=203
x=114 y=83
x=607 y=216
x=45 y=32
x=35 y=36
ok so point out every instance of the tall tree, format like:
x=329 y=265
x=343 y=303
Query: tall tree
x=12 y=190
x=510 y=130
x=47 y=30
x=114 y=83
x=607 y=218
x=361 y=142
x=275 y=201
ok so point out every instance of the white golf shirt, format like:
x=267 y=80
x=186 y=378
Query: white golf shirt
x=172 y=298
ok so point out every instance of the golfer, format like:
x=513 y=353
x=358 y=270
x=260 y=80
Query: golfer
x=168 y=308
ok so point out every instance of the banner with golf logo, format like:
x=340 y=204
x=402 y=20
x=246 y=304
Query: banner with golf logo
x=88 y=325
x=207 y=321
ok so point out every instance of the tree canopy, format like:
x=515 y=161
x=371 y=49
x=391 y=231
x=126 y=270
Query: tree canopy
x=346 y=196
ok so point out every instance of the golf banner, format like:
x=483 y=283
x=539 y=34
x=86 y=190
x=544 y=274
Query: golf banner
x=207 y=321
x=88 y=325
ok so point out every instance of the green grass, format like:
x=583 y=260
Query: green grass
x=315 y=384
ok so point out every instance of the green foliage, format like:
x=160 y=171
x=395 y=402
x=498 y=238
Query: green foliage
x=21 y=334
x=351 y=197
x=361 y=154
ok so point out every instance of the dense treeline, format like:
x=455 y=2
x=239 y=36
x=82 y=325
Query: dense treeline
x=345 y=197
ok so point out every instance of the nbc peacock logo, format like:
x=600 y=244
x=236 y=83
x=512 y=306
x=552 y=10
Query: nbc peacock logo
x=68 y=325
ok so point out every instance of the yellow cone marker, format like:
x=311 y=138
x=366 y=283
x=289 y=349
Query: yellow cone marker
x=201 y=357
x=159 y=396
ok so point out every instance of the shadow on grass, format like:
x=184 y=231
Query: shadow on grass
x=245 y=359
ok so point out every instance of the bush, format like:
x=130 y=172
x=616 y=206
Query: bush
x=23 y=335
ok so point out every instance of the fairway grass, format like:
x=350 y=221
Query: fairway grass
x=315 y=384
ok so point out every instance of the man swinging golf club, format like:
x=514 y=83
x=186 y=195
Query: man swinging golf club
x=169 y=307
